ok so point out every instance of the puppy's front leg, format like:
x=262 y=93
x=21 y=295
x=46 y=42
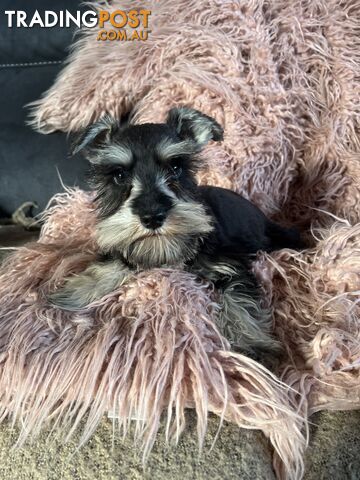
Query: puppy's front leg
x=96 y=281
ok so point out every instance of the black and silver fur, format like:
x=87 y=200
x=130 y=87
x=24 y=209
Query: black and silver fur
x=152 y=213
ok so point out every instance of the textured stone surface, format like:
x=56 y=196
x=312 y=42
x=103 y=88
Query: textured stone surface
x=333 y=454
x=334 y=447
x=237 y=454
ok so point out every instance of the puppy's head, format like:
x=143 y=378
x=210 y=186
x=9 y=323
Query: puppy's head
x=145 y=179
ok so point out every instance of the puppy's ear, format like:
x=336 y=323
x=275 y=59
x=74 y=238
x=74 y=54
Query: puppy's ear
x=194 y=125
x=94 y=137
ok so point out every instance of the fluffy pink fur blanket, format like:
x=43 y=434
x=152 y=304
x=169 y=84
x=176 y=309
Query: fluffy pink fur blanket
x=283 y=78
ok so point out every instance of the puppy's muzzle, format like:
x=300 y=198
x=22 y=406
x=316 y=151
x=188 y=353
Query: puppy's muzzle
x=152 y=207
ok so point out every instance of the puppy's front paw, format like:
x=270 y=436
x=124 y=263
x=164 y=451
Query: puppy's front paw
x=74 y=296
x=96 y=281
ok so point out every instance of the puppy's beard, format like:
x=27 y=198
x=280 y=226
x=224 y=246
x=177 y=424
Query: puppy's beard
x=176 y=242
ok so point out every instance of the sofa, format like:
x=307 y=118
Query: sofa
x=31 y=164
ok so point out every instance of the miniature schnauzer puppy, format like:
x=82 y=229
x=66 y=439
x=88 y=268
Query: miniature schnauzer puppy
x=152 y=213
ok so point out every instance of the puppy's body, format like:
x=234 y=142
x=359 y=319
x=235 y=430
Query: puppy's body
x=152 y=213
x=241 y=228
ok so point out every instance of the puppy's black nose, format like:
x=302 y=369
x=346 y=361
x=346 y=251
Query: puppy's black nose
x=153 y=221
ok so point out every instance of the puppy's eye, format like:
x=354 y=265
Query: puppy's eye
x=176 y=171
x=118 y=176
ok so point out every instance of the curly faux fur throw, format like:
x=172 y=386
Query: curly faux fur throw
x=283 y=78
